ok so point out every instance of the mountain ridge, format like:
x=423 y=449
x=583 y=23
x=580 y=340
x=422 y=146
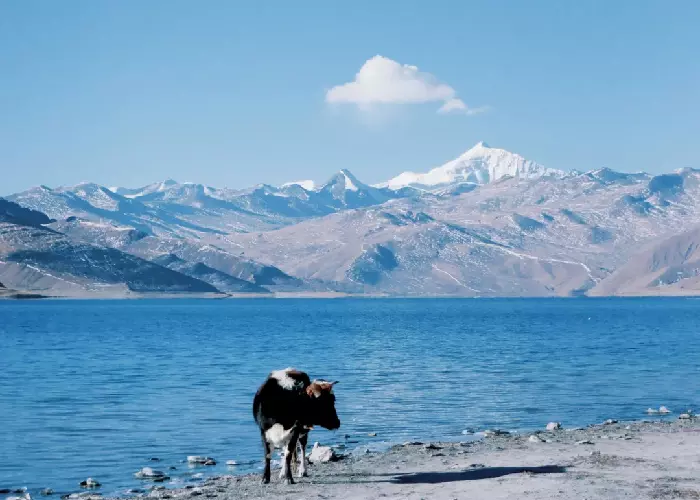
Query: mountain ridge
x=489 y=223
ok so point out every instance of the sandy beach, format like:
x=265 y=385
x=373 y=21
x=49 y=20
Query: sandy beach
x=636 y=460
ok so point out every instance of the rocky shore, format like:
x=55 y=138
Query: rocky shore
x=610 y=460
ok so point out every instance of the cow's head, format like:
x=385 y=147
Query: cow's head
x=323 y=403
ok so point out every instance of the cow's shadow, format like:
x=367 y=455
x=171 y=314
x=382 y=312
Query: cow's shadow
x=472 y=474
x=443 y=477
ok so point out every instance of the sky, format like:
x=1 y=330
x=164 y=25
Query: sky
x=125 y=93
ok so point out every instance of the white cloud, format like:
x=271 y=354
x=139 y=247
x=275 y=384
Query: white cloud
x=383 y=80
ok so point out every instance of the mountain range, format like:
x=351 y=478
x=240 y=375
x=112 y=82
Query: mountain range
x=488 y=223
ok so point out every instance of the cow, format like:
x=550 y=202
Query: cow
x=286 y=407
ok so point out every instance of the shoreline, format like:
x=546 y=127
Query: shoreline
x=640 y=459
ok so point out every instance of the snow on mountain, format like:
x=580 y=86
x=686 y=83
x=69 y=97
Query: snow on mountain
x=344 y=190
x=156 y=187
x=308 y=184
x=479 y=165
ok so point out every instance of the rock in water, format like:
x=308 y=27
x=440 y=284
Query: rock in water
x=90 y=483
x=553 y=426
x=199 y=460
x=153 y=475
x=664 y=411
x=610 y=421
x=321 y=454
x=652 y=411
x=231 y=462
x=46 y=492
x=685 y=416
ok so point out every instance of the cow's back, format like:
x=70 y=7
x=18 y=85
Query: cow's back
x=279 y=399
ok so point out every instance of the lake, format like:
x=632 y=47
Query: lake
x=98 y=388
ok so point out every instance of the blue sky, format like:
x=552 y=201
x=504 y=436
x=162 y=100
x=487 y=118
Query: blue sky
x=232 y=93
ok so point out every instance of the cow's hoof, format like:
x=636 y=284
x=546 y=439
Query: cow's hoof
x=290 y=480
x=265 y=480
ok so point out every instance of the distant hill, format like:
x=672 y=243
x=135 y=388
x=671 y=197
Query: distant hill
x=488 y=223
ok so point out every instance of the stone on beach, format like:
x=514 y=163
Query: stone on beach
x=82 y=496
x=495 y=432
x=685 y=416
x=321 y=454
x=584 y=441
x=553 y=426
x=610 y=421
x=535 y=439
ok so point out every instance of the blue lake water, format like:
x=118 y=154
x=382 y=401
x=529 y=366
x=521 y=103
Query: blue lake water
x=97 y=388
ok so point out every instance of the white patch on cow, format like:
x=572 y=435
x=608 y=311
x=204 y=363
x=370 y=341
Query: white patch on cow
x=283 y=379
x=278 y=437
x=302 y=460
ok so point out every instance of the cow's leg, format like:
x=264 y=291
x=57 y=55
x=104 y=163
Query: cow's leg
x=302 y=446
x=268 y=456
x=291 y=445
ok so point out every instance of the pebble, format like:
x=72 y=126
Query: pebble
x=90 y=483
x=535 y=439
x=46 y=492
x=495 y=432
x=321 y=454
x=553 y=426
x=584 y=441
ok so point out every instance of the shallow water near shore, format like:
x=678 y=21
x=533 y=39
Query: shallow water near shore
x=98 y=388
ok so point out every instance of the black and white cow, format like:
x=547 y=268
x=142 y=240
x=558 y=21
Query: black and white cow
x=285 y=408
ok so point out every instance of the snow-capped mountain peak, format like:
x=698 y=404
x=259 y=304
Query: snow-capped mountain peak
x=156 y=187
x=481 y=164
x=309 y=185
